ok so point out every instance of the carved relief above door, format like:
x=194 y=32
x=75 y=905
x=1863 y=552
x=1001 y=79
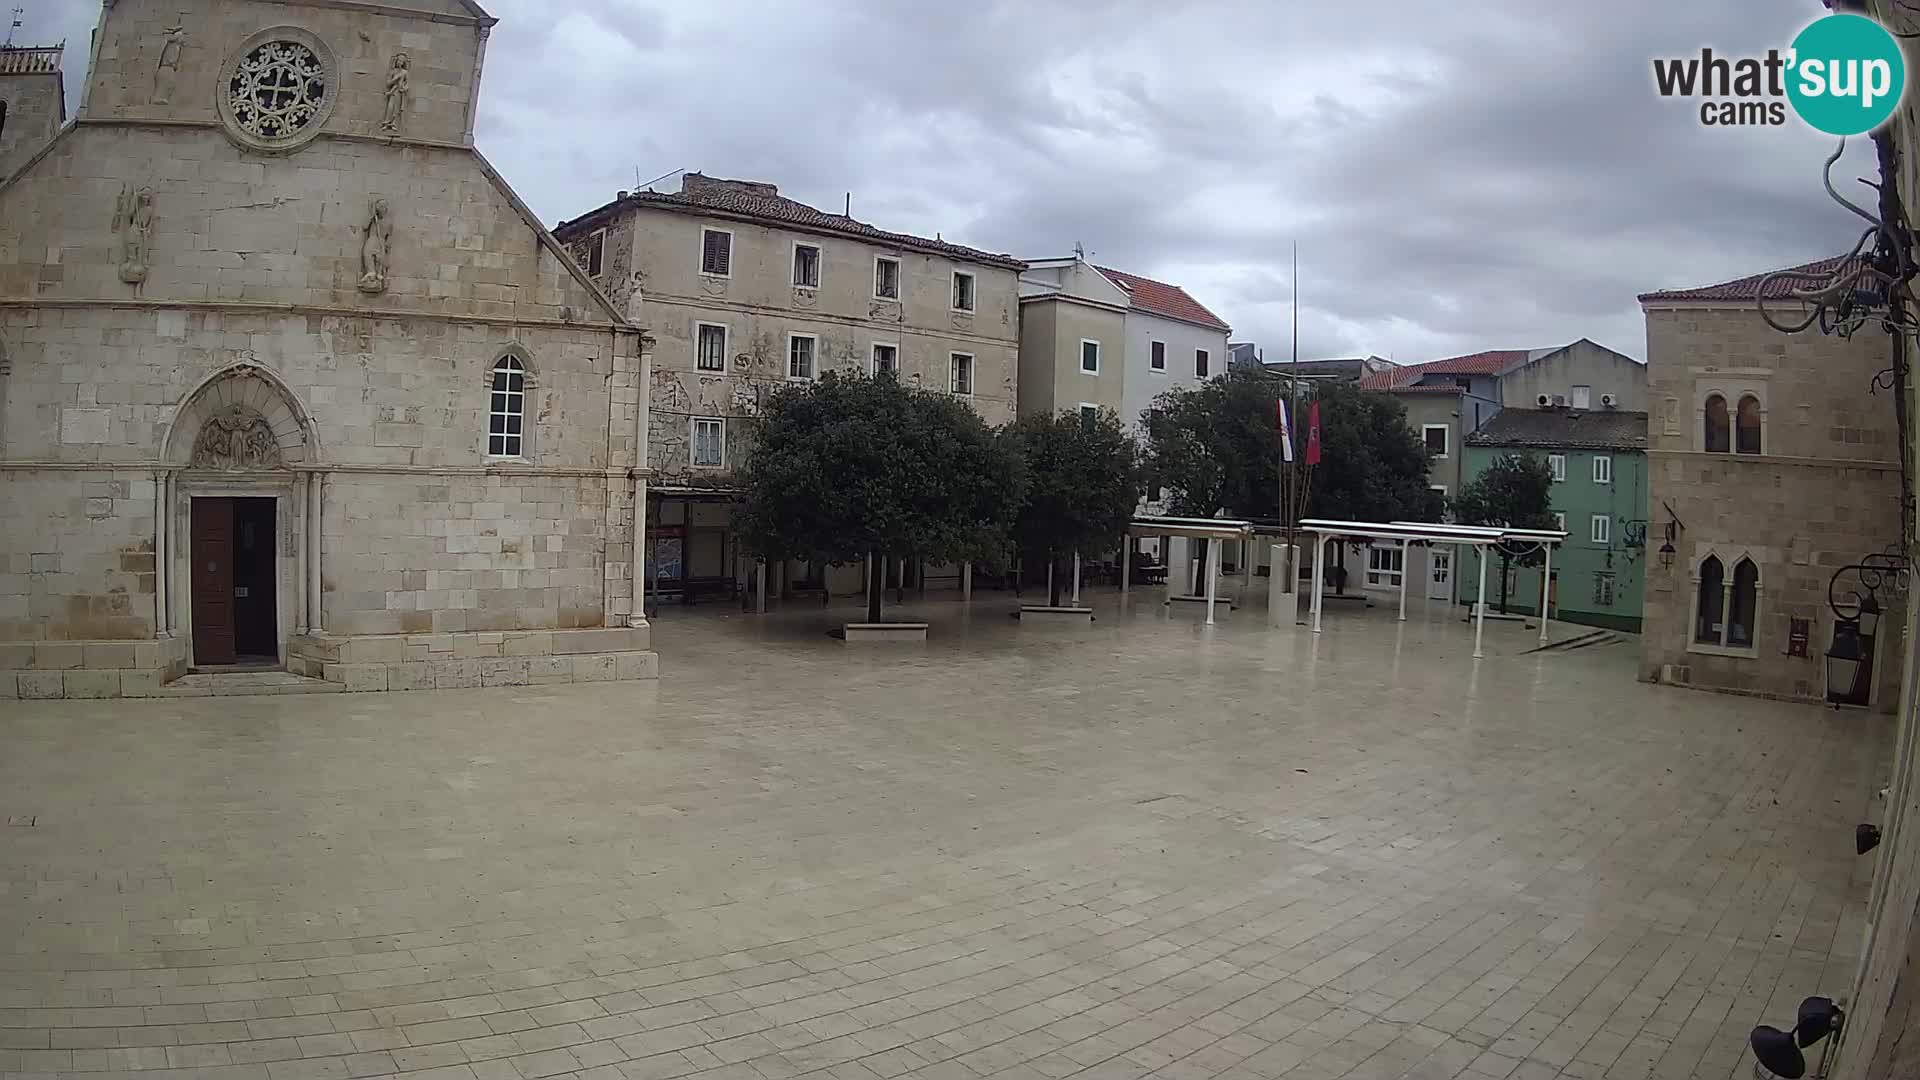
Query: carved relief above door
x=236 y=439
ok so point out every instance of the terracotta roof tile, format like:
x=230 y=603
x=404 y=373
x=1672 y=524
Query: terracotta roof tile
x=1490 y=362
x=1747 y=289
x=1160 y=298
x=763 y=202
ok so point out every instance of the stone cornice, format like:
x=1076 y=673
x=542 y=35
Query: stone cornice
x=260 y=307
x=1782 y=459
x=156 y=466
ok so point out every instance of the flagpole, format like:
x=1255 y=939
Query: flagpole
x=1289 y=483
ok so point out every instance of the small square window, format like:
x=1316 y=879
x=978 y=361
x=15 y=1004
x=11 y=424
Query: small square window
x=1583 y=397
x=806 y=266
x=962 y=370
x=886 y=278
x=800 y=356
x=1600 y=531
x=1200 y=362
x=1558 y=463
x=1603 y=470
x=710 y=347
x=1089 y=357
x=716 y=252
x=962 y=291
x=886 y=358
x=1436 y=438
x=709 y=443
x=1158 y=361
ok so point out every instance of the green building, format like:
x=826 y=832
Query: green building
x=1599 y=460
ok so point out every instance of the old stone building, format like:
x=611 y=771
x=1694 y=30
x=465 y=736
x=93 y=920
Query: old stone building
x=747 y=290
x=33 y=102
x=294 y=378
x=1772 y=467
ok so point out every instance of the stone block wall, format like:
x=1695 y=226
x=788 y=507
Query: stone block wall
x=76 y=555
x=421 y=553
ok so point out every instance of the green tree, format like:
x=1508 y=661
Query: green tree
x=1215 y=447
x=1083 y=483
x=851 y=467
x=1516 y=492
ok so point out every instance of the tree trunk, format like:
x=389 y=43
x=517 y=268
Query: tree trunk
x=1504 y=570
x=876 y=584
x=1199 y=571
x=1053 y=560
x=1339 y=569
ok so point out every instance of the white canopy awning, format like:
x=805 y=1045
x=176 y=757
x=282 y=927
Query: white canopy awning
x=1192 y=528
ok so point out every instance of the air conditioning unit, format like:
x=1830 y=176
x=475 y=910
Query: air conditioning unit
x=1544 y=401
x=1560 y=400
x=1608 y=401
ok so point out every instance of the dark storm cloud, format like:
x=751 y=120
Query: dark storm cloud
x=1466 y=175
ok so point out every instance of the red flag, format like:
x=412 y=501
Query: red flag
x=1313 y=434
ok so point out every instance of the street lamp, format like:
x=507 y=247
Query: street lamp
x=1844 y=660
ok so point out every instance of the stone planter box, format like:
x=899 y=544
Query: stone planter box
x=875 y=633
x=1039 y=613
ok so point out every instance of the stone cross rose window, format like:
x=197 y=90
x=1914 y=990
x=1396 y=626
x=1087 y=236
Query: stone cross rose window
x=278 y=89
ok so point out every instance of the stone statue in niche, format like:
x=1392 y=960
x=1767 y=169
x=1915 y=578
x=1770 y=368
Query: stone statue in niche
x=167 y=71
x=133 y=224
x=399 y=79
x=373 y=249
x=236 y=439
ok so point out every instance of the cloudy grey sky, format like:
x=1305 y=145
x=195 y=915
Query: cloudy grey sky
x=1461 y=175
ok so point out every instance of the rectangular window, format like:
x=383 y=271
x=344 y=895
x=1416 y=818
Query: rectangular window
x=962 y=291
x=1558 y=463
x=806 y=265
x=800 y=356
x=709 y=443
x=506 y=419
x=1436 y=436
x=710 y=347
x=1200 y=359
x=716 y=252
x=1384 y=565
x=591 y=252
x=1603 y=589
x=1601 y=529
x=1583 y=397
x=1089 y=357
x=1089 y=416
x=1560 y=521
x=1603 y=470
x=1158 y=361
x=961 y=369
x=886 y=278
x=886 y=358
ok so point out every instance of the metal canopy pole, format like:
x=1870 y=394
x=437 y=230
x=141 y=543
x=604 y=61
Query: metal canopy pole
x=1403 y=580
x=1480 y=608
x=1126 y=564
x=1319 y=575
x=1546 y=582
x=1213 y=575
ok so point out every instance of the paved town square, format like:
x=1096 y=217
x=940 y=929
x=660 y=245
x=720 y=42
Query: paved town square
x=1141 y=848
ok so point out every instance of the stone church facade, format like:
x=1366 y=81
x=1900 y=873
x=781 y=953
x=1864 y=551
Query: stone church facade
x=289 y=375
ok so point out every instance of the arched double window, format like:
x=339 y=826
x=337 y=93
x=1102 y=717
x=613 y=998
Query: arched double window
x=507 y=411
x=1732 y=429
x=1726 y=609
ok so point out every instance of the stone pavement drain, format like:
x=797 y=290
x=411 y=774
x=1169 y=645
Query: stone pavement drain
x=1137 y=848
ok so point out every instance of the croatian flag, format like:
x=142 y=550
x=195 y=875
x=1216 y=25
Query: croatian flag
x=1286 y=430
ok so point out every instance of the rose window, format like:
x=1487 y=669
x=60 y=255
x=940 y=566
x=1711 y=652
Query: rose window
x=277 y=90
